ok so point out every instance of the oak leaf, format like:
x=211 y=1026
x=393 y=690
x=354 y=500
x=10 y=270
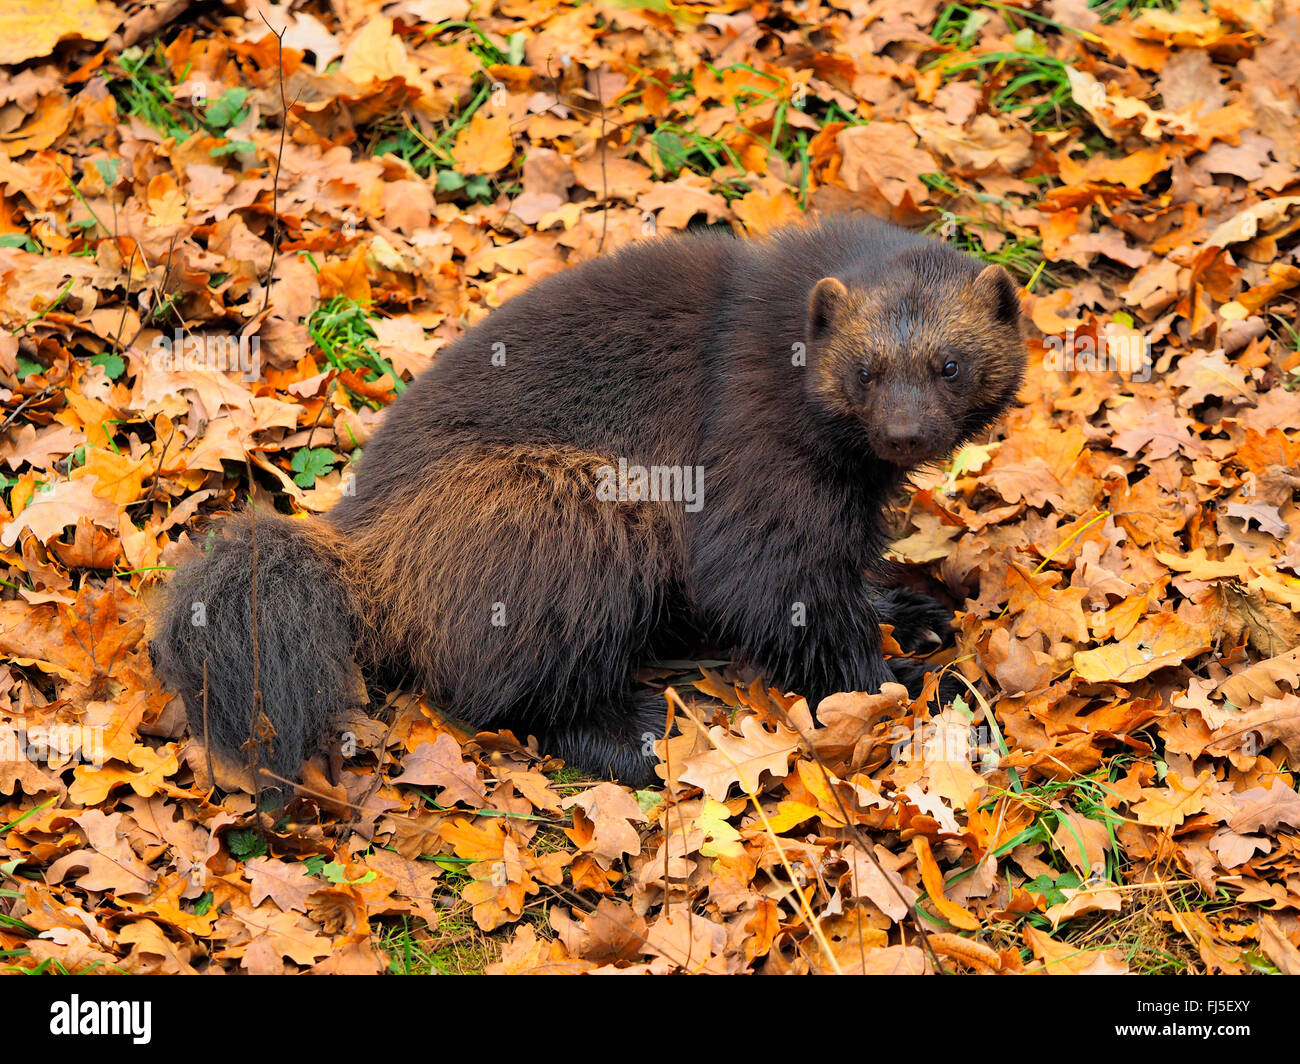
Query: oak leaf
x=740 y=759
x=1154 y=643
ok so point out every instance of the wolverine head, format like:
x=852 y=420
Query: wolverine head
x=923 y=350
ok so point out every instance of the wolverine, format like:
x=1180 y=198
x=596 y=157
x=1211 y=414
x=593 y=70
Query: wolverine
x=497 y=550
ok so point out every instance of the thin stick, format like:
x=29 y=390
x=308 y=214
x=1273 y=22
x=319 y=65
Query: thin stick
x=814 y=925
x=254 y=740
x=35 y=397
x=863 y=842
x=604 y=180
x=207 y=738
x=279 y=157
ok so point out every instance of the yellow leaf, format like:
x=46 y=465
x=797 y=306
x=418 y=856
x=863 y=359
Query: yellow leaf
x=31 y=28
x=1154 y=643
x=789 y=813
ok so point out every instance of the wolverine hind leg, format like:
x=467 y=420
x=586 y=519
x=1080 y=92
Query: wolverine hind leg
x=625 y=749
x=524 y=600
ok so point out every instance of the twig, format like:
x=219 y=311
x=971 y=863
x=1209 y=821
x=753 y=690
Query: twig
x=35 y=397
x=254 y=722
x=320 y=410
x=279 y=158
x=350 y=826
x=153 y=488
x=814 y=925
x=126 y=302
x=207 y=738
x=604 y=179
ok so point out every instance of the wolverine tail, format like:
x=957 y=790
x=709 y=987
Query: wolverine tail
x=306 y=638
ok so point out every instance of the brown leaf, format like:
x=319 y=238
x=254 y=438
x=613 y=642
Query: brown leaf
x=1263 y=680
x=1264 y=808
x=610 y=812
x=287 y=883
x=742 y=760
x=440 y=764
x=883 y=157
x=1043 y=607
x=484 y=146
x=1062 y=958
x=1280 y=949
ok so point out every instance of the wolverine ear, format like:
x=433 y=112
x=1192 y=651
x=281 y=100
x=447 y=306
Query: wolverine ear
x=824 y=305
x=996 y=289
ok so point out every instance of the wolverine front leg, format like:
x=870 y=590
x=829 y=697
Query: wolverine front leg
x=786 y=593
x=814 y=637
x=828 y=644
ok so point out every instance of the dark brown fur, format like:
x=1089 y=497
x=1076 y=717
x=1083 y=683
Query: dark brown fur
x=477 y=556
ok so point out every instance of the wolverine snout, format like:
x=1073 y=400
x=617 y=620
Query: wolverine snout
x=906 y=437
x=906 y=442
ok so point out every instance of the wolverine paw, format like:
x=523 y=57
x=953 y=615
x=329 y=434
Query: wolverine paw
x=620 y=745
x=921 y=623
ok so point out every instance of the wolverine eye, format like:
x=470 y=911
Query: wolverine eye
x=950 y=369
x=864 y=375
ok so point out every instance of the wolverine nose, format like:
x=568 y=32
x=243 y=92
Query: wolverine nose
x=905 y=437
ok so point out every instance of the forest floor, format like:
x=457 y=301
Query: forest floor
x=1115 y=793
